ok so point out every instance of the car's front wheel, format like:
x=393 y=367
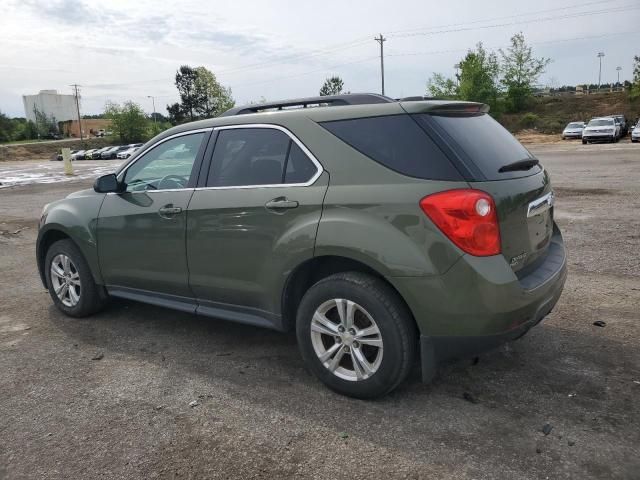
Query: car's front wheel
x=70 y=282
x=356 y=335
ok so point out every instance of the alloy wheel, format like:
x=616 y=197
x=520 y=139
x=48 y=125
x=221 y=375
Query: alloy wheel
x=346 y=339
x=65 y=280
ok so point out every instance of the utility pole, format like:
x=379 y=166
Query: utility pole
x=75 y=88
x=457 y=67
x=153 y=101
x=381 y=41
x=618 y=69
x=600 y=55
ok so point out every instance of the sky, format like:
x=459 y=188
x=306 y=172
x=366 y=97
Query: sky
x=123 y=50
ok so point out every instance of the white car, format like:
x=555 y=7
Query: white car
x=573 y=130
x=635 y=133
x=603 y=129
x=127 y=153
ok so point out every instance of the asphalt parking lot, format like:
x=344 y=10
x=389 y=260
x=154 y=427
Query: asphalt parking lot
x=109 y=396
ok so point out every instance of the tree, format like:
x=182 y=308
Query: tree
x=45 y=124
x=212 y=99
x=332 y=86
x=128 y=121
x=201 y=95
x=441 y=87
x=635 y=86
x=6 y=128
x=520 y=72
x=186 y=85
x=479 y=71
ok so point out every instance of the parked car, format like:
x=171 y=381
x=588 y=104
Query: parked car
x=112 y=152
x=603 y=129
x=624 y=124
x=573 y=130
x=59 y=156
x=635 y=133
x=98 y=153
x=127 y=153
x=52 y=136
x=373 y=236
x=88 y=154
x=79 y=155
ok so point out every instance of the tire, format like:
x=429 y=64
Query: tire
x=584 y=142
x=90 y=297
x=375 y=305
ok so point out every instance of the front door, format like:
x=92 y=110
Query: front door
x=254 y=220
x=141 y=232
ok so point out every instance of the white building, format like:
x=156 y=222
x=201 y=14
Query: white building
x=52 y=104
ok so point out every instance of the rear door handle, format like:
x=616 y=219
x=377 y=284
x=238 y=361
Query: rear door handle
x=168 y=211
x=281 y=203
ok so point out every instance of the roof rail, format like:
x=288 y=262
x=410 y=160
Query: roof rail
x=330 y=100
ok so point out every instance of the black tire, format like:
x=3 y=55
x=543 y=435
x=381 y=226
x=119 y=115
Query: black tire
x=92 y=296
x=584 y=142
x=395 y=323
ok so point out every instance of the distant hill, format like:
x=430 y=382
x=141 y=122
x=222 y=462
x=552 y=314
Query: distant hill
x=551 y=114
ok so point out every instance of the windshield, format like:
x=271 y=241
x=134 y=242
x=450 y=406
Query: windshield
x=575 y=125
x=601 y=123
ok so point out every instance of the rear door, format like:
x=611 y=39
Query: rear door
x=253 y=219
x=484 y=150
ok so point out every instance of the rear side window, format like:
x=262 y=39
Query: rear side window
x=398 y=143
x=258 y=156
x=481 y=141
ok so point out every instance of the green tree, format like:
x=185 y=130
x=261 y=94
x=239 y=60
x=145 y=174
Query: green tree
x=45 y=124
x=128 y=121
x=6 y=128
x=332 y=86
x=478 y=80
x=520 y=72
x=635 y=86
x=212 y=98
x=186 y=85
x=439 y=86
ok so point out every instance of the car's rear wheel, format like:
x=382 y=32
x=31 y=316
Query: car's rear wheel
x=70 y=282
x=356 y=335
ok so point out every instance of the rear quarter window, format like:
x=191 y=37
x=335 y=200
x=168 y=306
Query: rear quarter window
x=398 y=143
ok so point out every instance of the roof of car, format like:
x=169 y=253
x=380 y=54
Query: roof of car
x=336 y=107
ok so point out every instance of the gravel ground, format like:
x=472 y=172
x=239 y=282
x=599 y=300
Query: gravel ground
x=109 y=396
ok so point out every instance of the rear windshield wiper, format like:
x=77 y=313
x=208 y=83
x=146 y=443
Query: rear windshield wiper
x=525 y=164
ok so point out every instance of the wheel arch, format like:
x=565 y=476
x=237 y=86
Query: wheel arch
x=315 y=269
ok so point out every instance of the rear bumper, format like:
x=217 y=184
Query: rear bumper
x=598 y=138
x=480 y=303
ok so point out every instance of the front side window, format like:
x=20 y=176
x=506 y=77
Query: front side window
x=257 y=156
x=167 y=166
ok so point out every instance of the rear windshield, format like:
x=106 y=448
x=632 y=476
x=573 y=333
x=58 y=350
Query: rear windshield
x=481 y=143
x=398 y=143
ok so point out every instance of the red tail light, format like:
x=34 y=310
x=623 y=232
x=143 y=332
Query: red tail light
x=467 y=217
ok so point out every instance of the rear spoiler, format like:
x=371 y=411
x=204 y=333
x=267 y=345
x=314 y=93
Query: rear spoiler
x=444 y=107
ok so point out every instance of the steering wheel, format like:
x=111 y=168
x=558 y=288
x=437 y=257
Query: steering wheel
x=172 y=181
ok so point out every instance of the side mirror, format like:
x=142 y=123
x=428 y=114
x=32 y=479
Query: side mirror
x=107 y=184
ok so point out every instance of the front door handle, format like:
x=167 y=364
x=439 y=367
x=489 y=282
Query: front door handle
x=169 y=210
x=281 y=203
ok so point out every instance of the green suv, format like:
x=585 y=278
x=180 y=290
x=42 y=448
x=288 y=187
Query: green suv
x=380 y=230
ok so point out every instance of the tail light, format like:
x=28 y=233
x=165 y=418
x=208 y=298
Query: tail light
x=467 y=217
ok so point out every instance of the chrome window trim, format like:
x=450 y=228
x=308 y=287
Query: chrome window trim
x=305 y=150
x=122 y=172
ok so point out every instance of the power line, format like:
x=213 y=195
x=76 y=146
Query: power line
x=535 y=12
x=520 y=22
